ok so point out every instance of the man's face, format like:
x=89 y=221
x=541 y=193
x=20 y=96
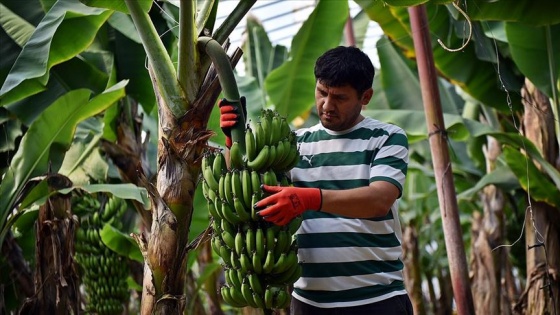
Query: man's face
x=339 y=108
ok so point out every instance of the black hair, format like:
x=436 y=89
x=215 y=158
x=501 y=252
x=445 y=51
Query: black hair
x=345 y=65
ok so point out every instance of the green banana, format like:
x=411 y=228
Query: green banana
x=255 y=283
x=270 y=237
x=234 y=260
x=268 y=296
x=236 y=156
x=266 y=123
x=281 y=152
x=259 y=301
x=111 y=208
x=250 y=144
x=239 y=242
x=225 y=225
x=208 y=176
x=271 y=157
x=288 y=276
x=248 y=293
x=254 y=200
x=275 y=133
x=250 y=241
x=285 y=129
x=215 y=243
x=260 y=160
x=240 y=209
x=255 y=182
x=282 y=243
x=228 y=189
x=236 y=294
x=294 y=225
x=269 y=262
x=259 y=137
x=291 y=154
x=229 y=214
x=257 y=263
x=260 y=242
x=282 y=299
x=236 y=185
x=269 y=178
x=221 y=187
x=246 y=187
x=218 y=164
x=245 y=262
x=284 y=262
x=234 y=278
x=280 y=265
x=225 y=253
x=212 y=210
x=207 y=160
x=228 y=239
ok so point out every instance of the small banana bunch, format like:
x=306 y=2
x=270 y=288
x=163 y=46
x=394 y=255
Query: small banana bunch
x=104 y=272
x=271 y=146
x=260 y=259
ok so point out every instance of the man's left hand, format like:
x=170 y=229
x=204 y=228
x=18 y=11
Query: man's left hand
x=285 y=203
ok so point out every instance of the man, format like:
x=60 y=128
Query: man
x=346 y=185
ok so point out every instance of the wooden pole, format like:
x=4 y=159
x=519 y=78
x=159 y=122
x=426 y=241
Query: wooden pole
x=441 y=162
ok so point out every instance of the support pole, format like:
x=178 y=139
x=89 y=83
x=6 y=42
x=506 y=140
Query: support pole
x=441 y=162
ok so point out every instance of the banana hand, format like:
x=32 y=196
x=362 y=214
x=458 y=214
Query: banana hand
x=285 y=203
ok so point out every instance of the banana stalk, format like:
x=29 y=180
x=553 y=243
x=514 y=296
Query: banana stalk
x=229 y=86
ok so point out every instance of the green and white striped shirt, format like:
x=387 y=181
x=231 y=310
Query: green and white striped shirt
x=350 y=262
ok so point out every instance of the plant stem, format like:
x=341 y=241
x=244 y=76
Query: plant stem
x=164 y=72
x=227 y=80
x=187 y=70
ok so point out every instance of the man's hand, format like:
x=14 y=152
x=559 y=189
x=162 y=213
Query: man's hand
x=229 y=117
x=285 y=203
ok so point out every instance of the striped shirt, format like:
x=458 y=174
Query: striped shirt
x=350 y=262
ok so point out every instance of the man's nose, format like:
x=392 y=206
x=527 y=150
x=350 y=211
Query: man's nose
x=328 y=105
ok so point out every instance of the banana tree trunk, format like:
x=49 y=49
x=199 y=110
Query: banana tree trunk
x=542 y=234
x=56 y=282
x=487 y=233
x=412 y=272
x=180 y=146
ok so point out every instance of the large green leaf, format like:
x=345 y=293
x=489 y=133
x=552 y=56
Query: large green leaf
x=42 y=148
x=67 y=29
x=476 y=77
x=502 y=177
x=259 y=50
x=536 y=55
x=16 y=27
x=531 y=12
x=117 y=5
x=537 y=186
x=120 y=243
x=290 y=87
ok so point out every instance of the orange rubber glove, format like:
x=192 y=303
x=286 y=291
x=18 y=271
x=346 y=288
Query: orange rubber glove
x=229 y=117
x=286 y=203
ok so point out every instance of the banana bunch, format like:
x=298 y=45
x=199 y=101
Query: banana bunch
x=269 y=145
x=104 y=272
x=259 y=258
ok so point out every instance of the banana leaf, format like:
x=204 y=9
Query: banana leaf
x=464 y=69
x=536 y=52
x=528 y=12
x=290 y=87
x=117 y=5
x=43 y=147
x=67 y=29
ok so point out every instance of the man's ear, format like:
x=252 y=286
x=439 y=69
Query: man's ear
x=366 y=96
